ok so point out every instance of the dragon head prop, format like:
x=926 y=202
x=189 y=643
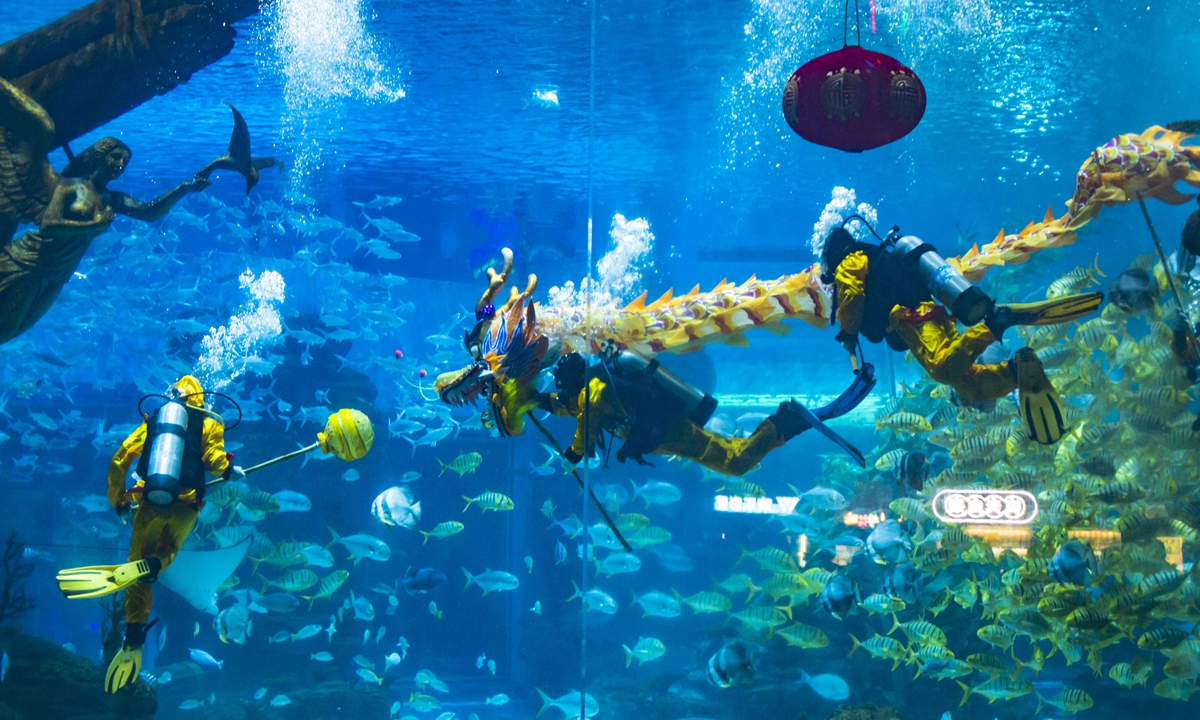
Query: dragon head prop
x=508 y=352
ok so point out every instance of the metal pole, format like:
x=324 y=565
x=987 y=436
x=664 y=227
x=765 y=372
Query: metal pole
x=269 y=463
x=1162 y=257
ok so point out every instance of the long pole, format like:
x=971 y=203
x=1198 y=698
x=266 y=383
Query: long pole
x=1162 y=257
x=269 y=463
x=599 y=506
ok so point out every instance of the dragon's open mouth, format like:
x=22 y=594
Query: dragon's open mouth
x=461 y=387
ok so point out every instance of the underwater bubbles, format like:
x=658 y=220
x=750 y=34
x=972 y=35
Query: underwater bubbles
x=841 y=206
x=619 y=272
x=326 y=56
x=228 y=351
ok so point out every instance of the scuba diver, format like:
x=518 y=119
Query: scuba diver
x=902 y=292
x=628 y=395
x=174 y=448
x=655 y=412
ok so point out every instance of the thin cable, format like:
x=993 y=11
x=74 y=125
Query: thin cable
x=587 y=395
x=857 y=23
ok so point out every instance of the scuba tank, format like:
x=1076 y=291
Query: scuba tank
x=697 y=406
x=947 y=285
x=166 y=454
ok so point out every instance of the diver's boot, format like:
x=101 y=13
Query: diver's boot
x=125 y=666
x=1041 y=409
x=1046 y=312
x=788 y=420
x=99 y=580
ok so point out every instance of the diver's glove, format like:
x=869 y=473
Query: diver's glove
x=848 y=341
x=125 y=513
x=234 y=473
x=569 y=460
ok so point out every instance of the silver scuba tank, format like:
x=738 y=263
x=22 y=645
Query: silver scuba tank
x=697 y=406
x=947 y=285
x=166 y=454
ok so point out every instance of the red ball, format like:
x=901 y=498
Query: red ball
x=853 y=99
x=422 y=373
x=398 y=354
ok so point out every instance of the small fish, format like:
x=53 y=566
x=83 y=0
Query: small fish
x=529 y=563
x=379 y=634
x=463 y=464
x=537 y=607
x=560 y=553
x=479 y=661
x=321 y=656
x=351 y=475
x=500 y=699
x=645 y=650
x=306 y=632
x=547 y=507
x=828 y=686
x=433 y=610
x=490 y=501
x=201 y=657
x=191 y=704
x=260 y=693
x=492 y=580
x=280 y=701
x=657 y=493
x=491 y=666
x=442 y=530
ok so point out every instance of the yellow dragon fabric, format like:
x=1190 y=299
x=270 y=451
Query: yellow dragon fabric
x=1150 y=163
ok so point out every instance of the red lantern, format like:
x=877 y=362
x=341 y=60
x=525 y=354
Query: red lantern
x=853 y=99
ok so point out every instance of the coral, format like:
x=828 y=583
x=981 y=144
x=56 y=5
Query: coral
x=48 y=682
x=864 y=712
x=14 y=602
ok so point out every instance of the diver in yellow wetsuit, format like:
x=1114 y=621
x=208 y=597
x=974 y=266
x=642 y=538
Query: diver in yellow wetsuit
x=185 y=443
x=654 y=412
x=887 y=292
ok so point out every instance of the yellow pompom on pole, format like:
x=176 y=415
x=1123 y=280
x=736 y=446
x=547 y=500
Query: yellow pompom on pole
x=348 y=434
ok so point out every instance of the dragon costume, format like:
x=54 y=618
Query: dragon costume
x=511 y=345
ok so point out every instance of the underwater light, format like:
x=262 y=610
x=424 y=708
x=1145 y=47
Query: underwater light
x=985 y=507
x=1100 y=540
x=780 y=505
x=863 y=520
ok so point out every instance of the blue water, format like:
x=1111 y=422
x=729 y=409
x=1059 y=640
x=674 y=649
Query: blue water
x=477 y=116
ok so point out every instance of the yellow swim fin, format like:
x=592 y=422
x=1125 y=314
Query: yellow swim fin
x=1041 y=410
x=125 y=666
x=123 y=669
x=1046 y=312
x=98 y=580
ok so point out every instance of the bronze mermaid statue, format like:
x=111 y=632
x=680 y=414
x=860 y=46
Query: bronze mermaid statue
x=74 y=207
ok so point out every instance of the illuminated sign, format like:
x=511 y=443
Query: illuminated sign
x=802 y=553
x=1100 y=540
x=1174 y=546
x=863 y=520
x=755 y=506
x=985 y=507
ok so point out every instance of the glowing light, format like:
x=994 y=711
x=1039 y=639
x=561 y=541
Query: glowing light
x=1100 y=540
x=985 y=507
x=802 y=542
x=843 y=554
x=782 y=505
x=1174 y=546
x=863 y=520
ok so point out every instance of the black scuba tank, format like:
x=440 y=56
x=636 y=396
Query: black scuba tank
x=631 y=366
x=947 y=285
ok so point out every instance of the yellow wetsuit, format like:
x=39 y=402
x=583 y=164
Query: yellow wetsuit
x=930 y=334
x=159 y=530
x=682 y=437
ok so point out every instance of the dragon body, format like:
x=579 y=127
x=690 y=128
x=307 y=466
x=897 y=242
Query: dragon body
x=512 y=344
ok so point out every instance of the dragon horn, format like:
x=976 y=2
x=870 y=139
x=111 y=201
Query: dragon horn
x=496 y=280
x=514 y=296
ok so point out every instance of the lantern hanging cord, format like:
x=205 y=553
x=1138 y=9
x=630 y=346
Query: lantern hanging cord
x=846 y=24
